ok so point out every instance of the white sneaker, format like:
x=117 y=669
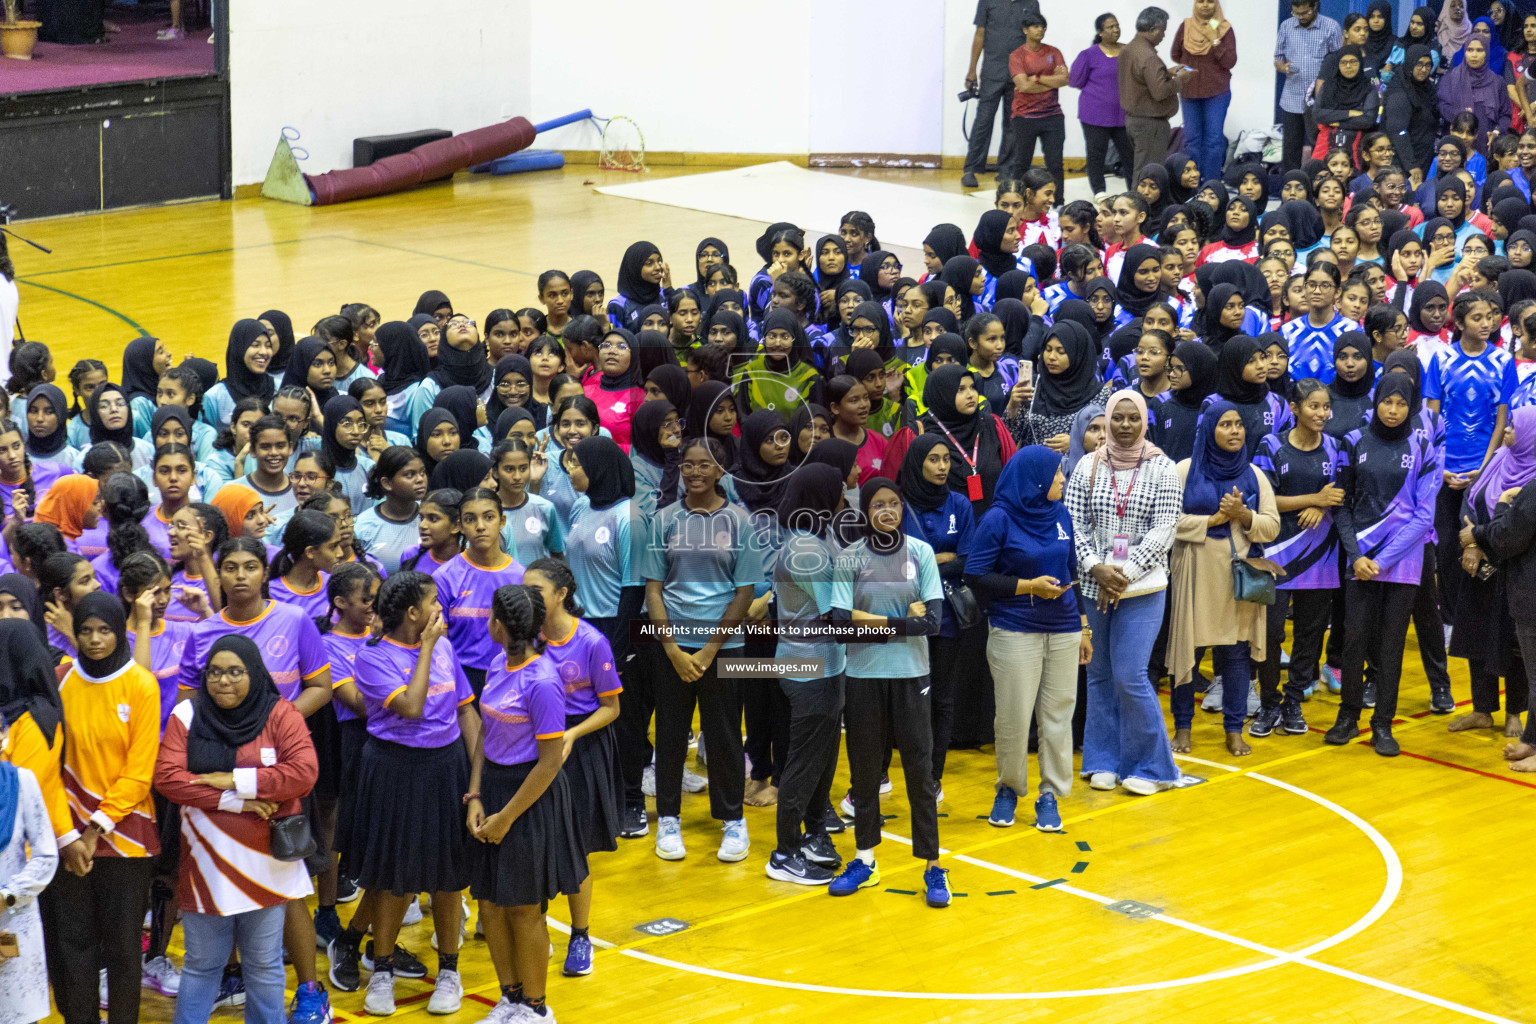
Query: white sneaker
x=1253 y=699
x=1103 y=780
x=412 y=912
x=523 y=1014
x=380 y=1000
x=504 y=1012
x=939 y=796
x=734 y=846
x=103 y=985
x=669 y=839
x=1212 y=700
x=698 y=752
x=1145 y=787
x=845 y=805
x=162 y=976
x=885 y=785
x=693 y=783
x=648 y=780
x=447 y=994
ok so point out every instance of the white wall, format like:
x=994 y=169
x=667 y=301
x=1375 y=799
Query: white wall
x=745 y=76
x=339 y=69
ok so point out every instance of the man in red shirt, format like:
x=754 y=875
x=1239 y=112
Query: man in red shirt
x=1038 y=71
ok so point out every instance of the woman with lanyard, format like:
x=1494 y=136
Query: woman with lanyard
x=1302 y=467
x=615 y=390
x=389 y=526
x=342 y=440
x=696 y=597
x=802 y=586
x=247 y=358
x=1070 y=382
x=1242 y=378
x=887 y=579
x=1349 y=392
x=1125 y=503
x=406 y=378
x=1192 y=372
x=979 y=442
x=408 y=831
x=584 y=664
x=1024 y=549
x=782 y=376
x=94 y=909
x=942 y=518
x=1483 y=630
x=1390 y=476
x=1228 y=507
x=235 y=757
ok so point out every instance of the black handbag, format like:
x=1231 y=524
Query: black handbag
x=1249 y=582
x=962 y=601
x=291 y=838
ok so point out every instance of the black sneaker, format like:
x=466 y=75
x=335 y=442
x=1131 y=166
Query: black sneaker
x=634 y=825
x=1440 y=700
x=1369 y=700
x=1344 y=730
x=1264 y=722
x=344 y=963
x=1382 y=741
x=818 y=849
x=796 y=869
x=405 y=963
x=1291 y=721
x=833 y=823
x=346 y=890
x=968 y=180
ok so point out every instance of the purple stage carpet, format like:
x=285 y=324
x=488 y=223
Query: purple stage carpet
x=132 y=55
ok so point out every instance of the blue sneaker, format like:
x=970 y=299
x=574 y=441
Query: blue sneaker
x=578 y=957
x=936 y=881
x=1047 y=818
x=231 y=989
x=327 y=927
x=310 y=1005
x=1331 y=677
x=857 y=875
x=1003 y=806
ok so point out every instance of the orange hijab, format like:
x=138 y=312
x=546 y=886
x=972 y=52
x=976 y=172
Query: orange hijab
x=236 y=502
x=1200 y=36
x=66 y=503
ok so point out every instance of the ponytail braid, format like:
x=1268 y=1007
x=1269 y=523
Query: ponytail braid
x=398 y=595
x=520 y=610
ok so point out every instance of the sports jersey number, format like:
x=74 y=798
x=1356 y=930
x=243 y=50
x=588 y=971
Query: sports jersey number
x=1408 y=460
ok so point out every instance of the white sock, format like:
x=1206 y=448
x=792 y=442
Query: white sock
x=867 y=856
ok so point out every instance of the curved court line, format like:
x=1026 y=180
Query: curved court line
x=1276 y=957
x=125 y=318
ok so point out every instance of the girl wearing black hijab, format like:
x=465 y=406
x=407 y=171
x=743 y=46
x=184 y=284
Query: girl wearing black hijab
x=44 y=401
x=943 y=518
x=406 y=369
x=1238 y=239
x=312 y=365
x=468 y=414
x=1350 y=389
x=247 y=358
x=831 y=270
x=979 y=441
x=1070 y=361
x=707 y=255
x=1153 y=185
x=280 y=326
x=1102 y=299
x=782 y=375
x=1242 y=378
x=669 y=382
x=712 y=413
x=616 y=390
x=1348 y=100
x=1410 y=113
x=434 y=304
x=437 y=437
x=341 y=439
x=1174 y=416
x=1214 y=324
x=511 y=384
x=876 y=266
x=966 y=276
x=653 y=454
x=1140 y=284
x=644 y=280
x=144 y=359
x=586 y=294
x=762 y=460
x=944 y=243
x=997 y=243
x=1181 y=166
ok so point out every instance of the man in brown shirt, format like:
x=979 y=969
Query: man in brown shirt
x=1149 y=92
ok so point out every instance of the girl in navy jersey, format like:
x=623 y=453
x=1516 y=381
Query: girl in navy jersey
x=125 y=500
x=520 y=806
x=466 y=583
x=1350 y=391
x=1192 y=378
x=407 y=827
x=311 y=547
x=1242 y=378
x=1390 y=476
x=438 y=538
x=344 y=630
x=584 y=663
x=197 y=530
x=391 y=527
x=1302 y=466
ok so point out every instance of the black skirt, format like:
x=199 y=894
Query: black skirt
x=596 y=785
x=407 y=822
x=354 y=733
x=540 y=857
x=325 y=733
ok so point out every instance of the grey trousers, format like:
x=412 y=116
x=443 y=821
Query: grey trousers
x=1034 y=674
x=1150 y=136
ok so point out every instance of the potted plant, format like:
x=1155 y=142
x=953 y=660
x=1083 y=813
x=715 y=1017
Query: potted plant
x=17 y=37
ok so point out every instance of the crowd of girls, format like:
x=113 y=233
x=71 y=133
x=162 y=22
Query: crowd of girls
x=452 y=598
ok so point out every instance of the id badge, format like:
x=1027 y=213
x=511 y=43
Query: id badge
x=973 y=487
x=1120 y=549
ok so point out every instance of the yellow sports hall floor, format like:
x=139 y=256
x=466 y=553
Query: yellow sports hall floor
x=1303 y=883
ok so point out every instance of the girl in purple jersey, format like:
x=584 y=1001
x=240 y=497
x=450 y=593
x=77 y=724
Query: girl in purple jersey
x=520 y=805
x=585 y=663
x=197 y=531
x=174 y=474
x=438 y=530
x=125 y=499
x=408 y=830
x=311 y=548
x=466 y=583
x=62 y=580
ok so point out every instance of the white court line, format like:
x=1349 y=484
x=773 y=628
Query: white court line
x=1276 y=956
x=565 y=929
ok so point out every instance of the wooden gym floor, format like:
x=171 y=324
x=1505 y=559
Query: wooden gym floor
x=1304 y=883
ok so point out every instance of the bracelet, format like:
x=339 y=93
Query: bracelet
x=471 y=796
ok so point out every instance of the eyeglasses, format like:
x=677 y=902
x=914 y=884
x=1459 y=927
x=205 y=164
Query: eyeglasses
x=613 y=346
x=218 y=675
x=460 y=321
x=864 y=331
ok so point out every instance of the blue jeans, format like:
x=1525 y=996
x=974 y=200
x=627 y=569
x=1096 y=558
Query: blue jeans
x=1125 y=734
x=259 y=936
x=1204 y=138
x=1232 y=663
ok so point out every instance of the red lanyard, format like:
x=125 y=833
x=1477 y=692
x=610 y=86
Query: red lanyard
x=973 y=481
x=1122 y=500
